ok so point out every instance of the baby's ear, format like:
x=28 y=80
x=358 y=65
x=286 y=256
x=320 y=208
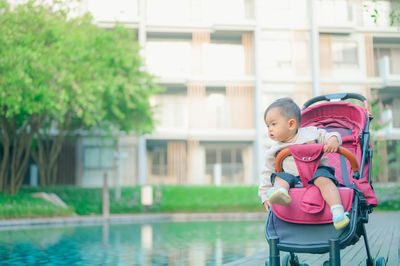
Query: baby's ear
x=292 y=123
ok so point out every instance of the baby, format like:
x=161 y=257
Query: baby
x=283 y=119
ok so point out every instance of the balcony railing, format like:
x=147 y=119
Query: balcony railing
x=214 y=111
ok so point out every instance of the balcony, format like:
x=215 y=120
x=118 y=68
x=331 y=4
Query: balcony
x=169 y=59
x=335 y=16
x=205 y=113
x=180 y=61
x=204 y=13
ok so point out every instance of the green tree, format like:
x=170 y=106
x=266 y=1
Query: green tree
x=59 y=74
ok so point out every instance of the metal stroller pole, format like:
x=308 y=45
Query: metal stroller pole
x=334 y=252
x=370 y=260
x=274 y=259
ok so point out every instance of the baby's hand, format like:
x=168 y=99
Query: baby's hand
x=332 y=145
x=266 y=205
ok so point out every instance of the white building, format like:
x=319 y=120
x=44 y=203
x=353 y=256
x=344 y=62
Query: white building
x=222 y=62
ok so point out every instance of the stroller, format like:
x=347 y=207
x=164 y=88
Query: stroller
x=305 y=226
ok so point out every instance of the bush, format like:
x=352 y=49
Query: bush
x=168 y=199
x=388 y=198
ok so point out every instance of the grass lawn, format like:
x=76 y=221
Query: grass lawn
x=88 y=201
x=23 y=205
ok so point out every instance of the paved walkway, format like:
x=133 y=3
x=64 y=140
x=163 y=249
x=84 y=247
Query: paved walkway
x=383 y=230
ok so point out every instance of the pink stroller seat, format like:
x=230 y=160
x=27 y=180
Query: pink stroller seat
x=308 y=205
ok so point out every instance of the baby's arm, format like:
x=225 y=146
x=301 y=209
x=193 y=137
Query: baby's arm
x=332 y=140
x=332 y=144
x=265 y=183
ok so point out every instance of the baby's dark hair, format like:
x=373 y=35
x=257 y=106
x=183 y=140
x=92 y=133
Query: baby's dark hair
x=288 y=108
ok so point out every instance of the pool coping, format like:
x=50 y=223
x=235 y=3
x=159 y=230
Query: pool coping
x=135 y=218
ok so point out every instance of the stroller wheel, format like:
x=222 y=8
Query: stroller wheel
x=380 y=261
x=288 y=261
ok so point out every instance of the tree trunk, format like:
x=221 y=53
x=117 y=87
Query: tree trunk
x=14 y=165
x=5 y=156
x=46 y=155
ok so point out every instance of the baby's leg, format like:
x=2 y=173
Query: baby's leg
x=329 y=191
x=279 y=193
x=279 y=182
x=331 y=195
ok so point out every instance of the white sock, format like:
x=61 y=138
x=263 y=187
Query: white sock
x=284 y=190
x=337 y=210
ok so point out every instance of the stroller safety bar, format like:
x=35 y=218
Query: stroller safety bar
x=346 y=153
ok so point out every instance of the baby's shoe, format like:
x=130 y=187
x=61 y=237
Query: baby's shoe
x=341 y=221
x=279 y=196
x=340 y=218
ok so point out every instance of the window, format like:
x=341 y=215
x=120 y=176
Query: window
x=396 y=113
x=169 y=58
x=345 y=53
x=332 y=12
x=393 y=53
x=171 y=109
x=217 y=111
x=224 y=59
x=278 y=54
x=97 y=158
x=159 y=161
x=231 y=161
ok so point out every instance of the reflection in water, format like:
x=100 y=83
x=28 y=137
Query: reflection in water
x=161 y=243
x=218 y=251
x=147 y=236
x=105 y=231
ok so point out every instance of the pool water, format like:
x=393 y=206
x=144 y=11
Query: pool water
x=160 y=243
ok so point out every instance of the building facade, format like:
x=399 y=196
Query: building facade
x=222 y=63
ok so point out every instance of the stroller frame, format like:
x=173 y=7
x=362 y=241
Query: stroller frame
x=359 y=212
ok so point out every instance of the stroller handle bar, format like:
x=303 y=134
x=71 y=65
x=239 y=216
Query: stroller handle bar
x=346 y=153
x=341 y=97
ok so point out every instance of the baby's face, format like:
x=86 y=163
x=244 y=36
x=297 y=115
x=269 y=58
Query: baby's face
x=279 y=126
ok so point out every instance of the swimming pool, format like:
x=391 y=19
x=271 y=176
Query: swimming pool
x=158 y=243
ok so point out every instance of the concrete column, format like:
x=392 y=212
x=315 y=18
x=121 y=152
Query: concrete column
x=314 y=48
x=258 y=115
x=34 y=175
x=142 y=167
x=106 y=197
x=217 y=174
